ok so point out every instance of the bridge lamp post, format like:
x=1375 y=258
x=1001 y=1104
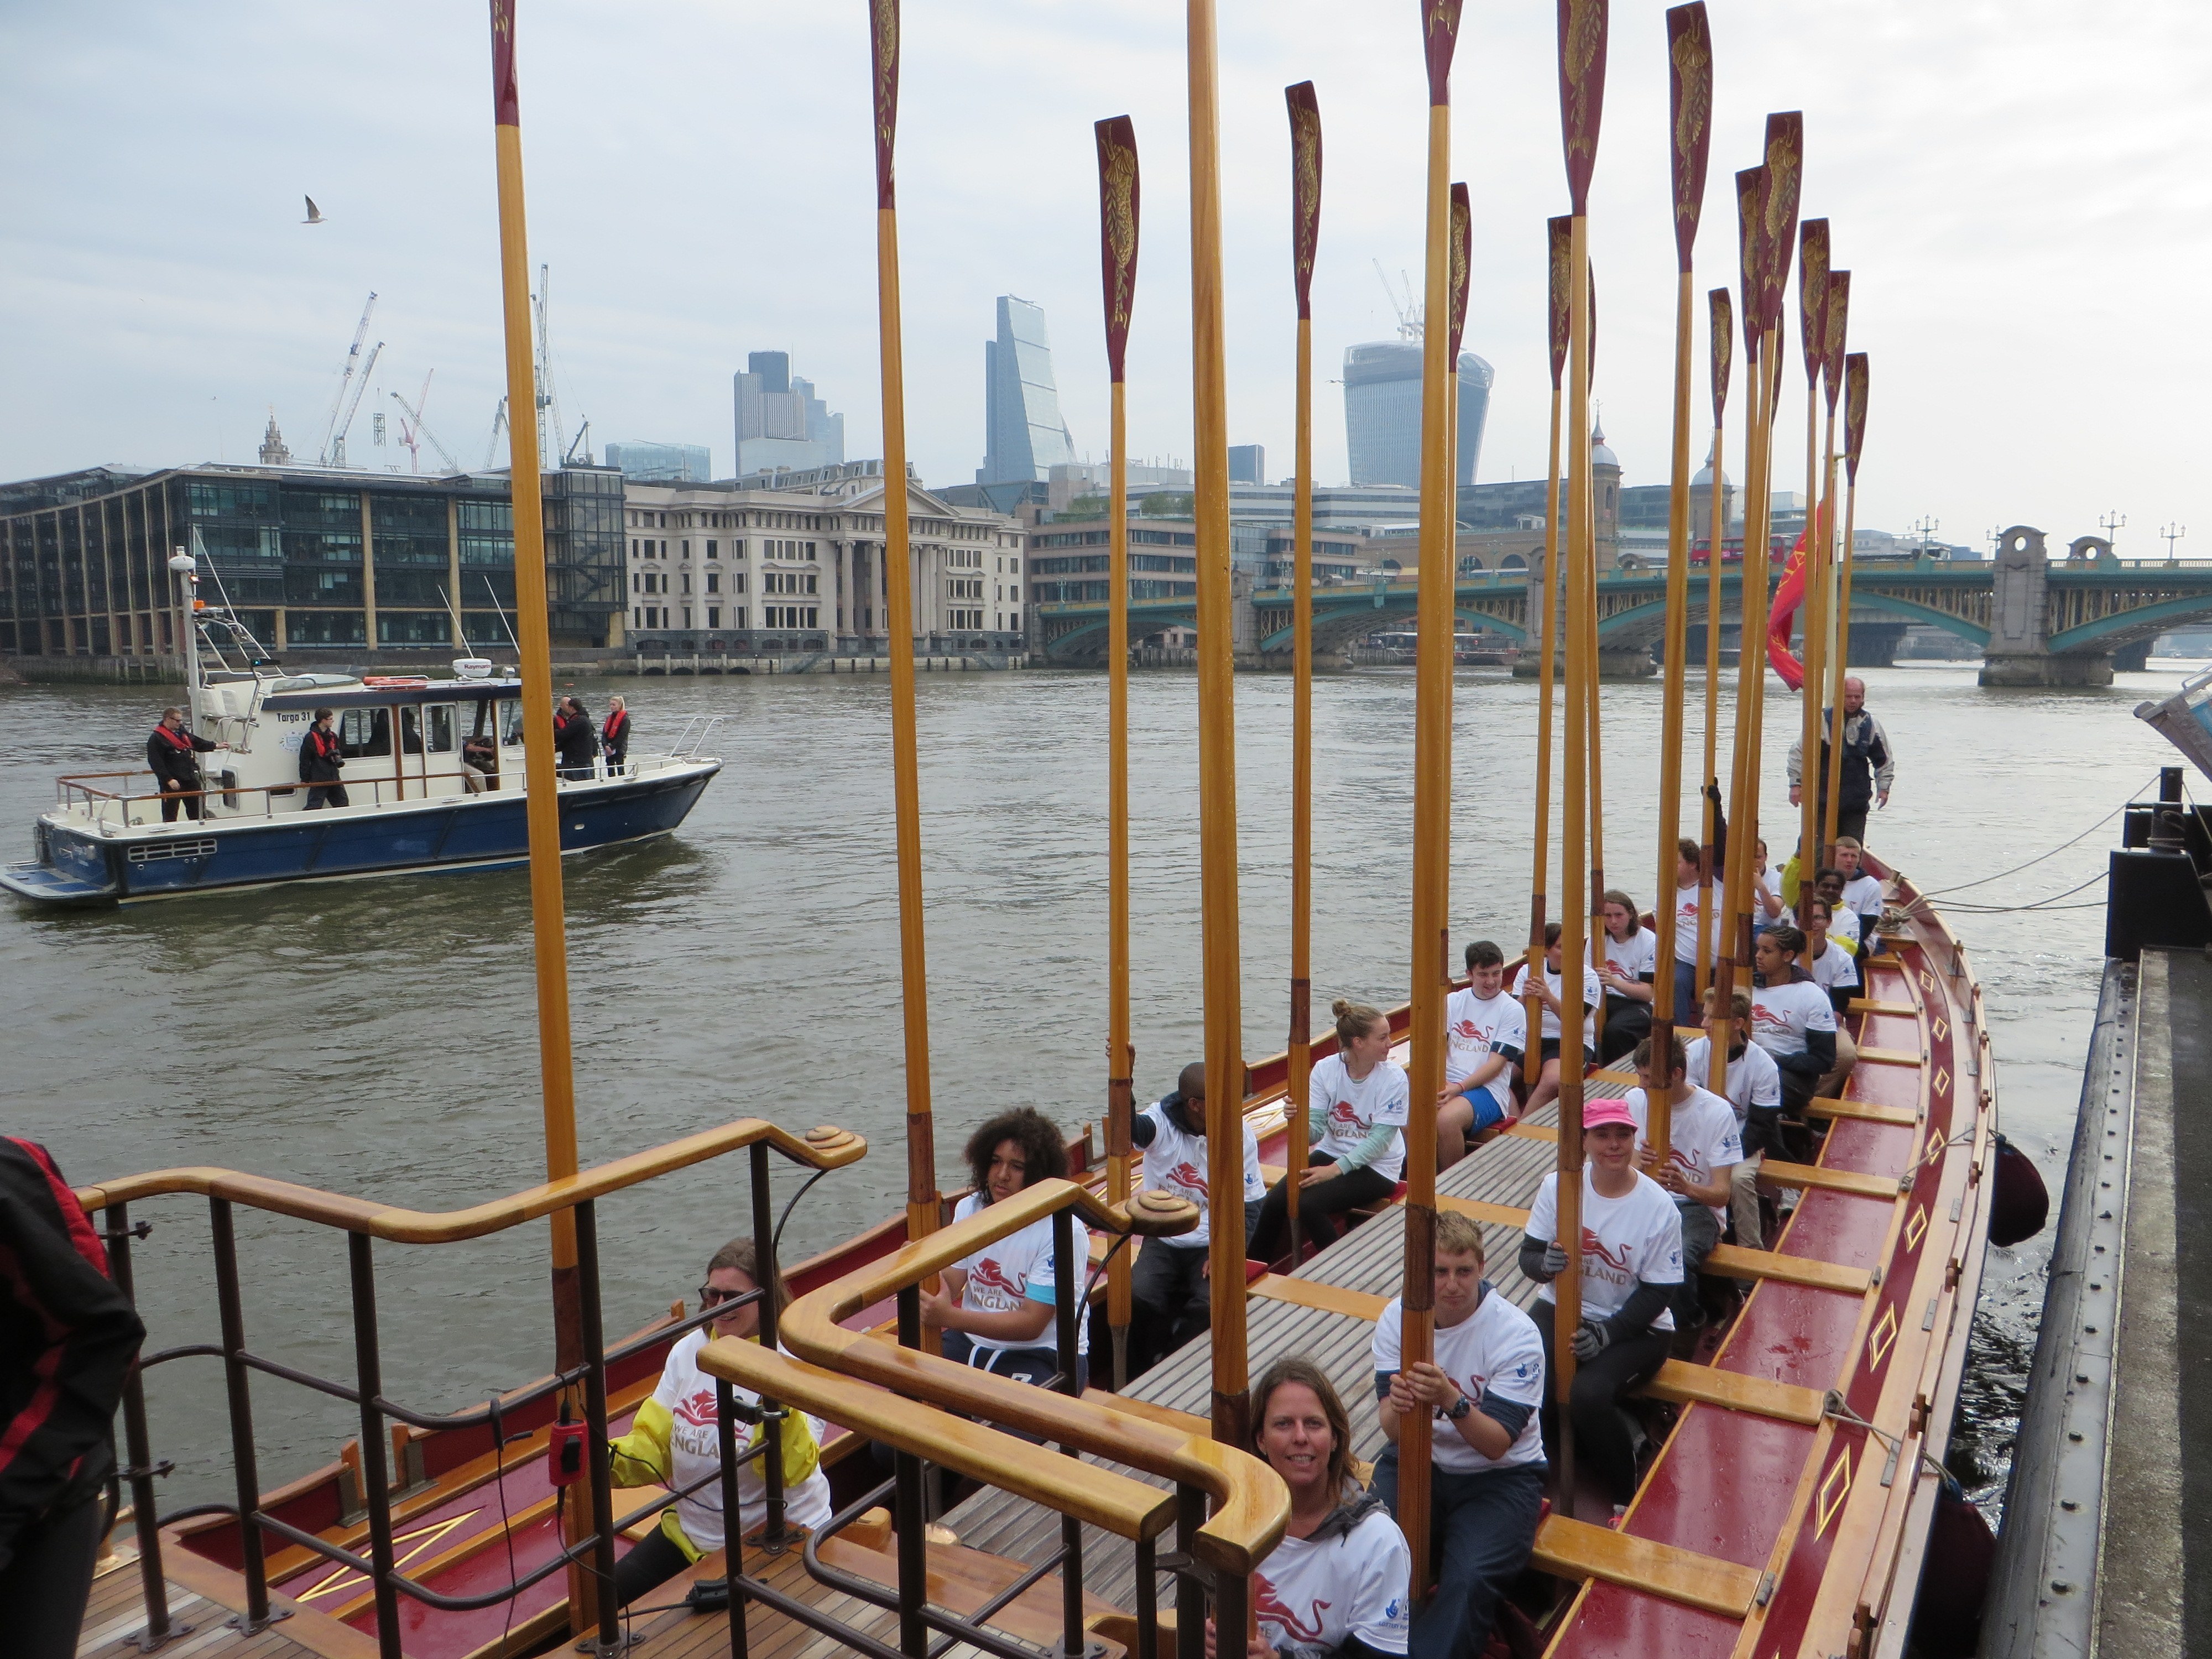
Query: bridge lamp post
x=2111 y=524
x=2172 y=532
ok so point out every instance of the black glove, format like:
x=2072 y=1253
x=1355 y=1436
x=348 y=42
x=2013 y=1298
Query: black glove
x=1591 y=1339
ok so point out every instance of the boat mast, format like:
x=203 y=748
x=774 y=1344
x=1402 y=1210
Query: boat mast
x=542 y=808
x=1689 y=59
x=923 y=1201
x=1117 y=240
x=1217 y=746
x=1582 y=24
x=1722 y=327
x=1855 y=412
x=1812 y=345
x=1556 y=248
x=1305 y=239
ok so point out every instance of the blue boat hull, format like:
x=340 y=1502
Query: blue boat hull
x=476 y=832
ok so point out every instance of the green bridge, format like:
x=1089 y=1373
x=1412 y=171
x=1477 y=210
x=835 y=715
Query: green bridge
x=2036 y=622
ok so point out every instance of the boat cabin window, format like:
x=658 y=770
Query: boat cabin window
x=365 y=732
x=439 y=721
x=510 y=720
x=410 y=732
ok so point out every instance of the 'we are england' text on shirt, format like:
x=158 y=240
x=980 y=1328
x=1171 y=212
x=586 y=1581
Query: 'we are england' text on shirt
x=1018 y=1268
x=1635 y=1237
x=1476 y=1029
x=1309 y=1595
x=1495 y=1348
x=1593 y=993
x=1348 y=1109
x=1702 y=1137
x=1781 y=1015
x=1175 y=1163
x=1753 y=1078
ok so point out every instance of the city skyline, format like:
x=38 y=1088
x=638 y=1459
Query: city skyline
x=1986 y=190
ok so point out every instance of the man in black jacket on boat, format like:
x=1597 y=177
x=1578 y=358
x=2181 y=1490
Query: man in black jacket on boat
x=574 y=739
x=173 y=753
x=321 y=757
x=68 y=1338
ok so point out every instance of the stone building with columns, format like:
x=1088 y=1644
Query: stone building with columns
x=792 y=562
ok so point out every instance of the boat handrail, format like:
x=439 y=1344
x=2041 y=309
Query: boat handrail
x=820 y=1148
x=1251 y=1504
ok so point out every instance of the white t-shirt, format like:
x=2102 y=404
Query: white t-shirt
x=1309 y=1597
x=1686 y=924
x=1781 y=1015
x=1018 y=1269
x=1593 y=993
x=1175 y=1163
x=1476 y=1029
x=1843 y=923
x=1863 y=895
x=1753 y=1078
x=1768 y=881
x=695 y=1450
x=1637 y=957
x=1347 y=1109
x=1702 y=1137
x=1494 y=1348
x=1835 y=965
x=1635 y=1237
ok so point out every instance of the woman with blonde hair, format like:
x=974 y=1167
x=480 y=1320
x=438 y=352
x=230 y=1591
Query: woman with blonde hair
x=1356 y=1107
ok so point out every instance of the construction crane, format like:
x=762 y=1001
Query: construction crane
x=1409 y=314
x=411 y=437
x=337 y=457
x=421 y=434
x=549 y=403
x=333 y=436
x=498 y=426
x=569 y=458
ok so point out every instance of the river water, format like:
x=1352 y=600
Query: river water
x=379 y=1037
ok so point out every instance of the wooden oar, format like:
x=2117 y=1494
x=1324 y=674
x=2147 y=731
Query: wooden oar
x=1305 y=240
x=541 y=803
x=1216 y=748
x=1583 y=28
x=1855 y=412
x=923 y=1203
x=1812 y=337
x=1557 y=245
x=1721 y=326
x=1690 y=88
x=1432 y=669
x=1117 y=248
x=1840 y=308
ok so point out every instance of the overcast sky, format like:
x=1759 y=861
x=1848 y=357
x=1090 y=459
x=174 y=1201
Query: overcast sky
x=2021 y=191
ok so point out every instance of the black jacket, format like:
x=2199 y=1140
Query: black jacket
x=68 y=1339
x=573 y=738
x=174 y=756
x=319 y=756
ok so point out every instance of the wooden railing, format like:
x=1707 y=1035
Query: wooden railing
x=365 y=1222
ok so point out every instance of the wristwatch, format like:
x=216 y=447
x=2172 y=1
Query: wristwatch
x=1459 y=1409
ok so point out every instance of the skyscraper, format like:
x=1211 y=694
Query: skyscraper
x=1248 y=463
x=780 y=423
x=1382 y=412
x=1024 y=434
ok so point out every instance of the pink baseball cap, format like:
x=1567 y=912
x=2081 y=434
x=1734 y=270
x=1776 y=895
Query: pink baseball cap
x=1596 y=1112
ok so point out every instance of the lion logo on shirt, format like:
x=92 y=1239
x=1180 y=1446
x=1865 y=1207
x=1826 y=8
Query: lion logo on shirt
x=1342 y=1117
x=1617 y=1260
x=1464 y=1027
x=987 y=1275
x=1267 y=1606
x=1187 y=1176
x=697 y=1409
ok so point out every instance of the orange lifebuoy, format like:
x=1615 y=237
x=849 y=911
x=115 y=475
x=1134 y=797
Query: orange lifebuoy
x=395 y=679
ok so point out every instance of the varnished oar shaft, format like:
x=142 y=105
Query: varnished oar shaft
x=1217 y=746
x=1301 y=1071
x=1813 y=612
x=1121 y=1103
x=1659 y=1128
x=1533 y=1065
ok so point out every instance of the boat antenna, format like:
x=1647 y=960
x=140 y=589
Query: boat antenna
x=459 y=633
x=501 y=608
x=1118 y=219
x=589 y=1597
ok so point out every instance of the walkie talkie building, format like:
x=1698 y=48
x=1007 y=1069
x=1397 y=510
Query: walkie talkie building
x=1382 y=412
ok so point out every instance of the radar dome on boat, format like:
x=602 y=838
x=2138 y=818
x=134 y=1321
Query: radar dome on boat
x=473 y=668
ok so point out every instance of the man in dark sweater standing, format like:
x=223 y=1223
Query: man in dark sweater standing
x=173 y=753
x=1869 y=764
x=68 y=1339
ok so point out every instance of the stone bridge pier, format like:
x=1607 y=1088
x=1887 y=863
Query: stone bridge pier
x=2019 y=651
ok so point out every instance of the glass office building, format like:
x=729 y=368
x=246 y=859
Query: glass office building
x=310 y=559
x=1382 y=412
x=662 y=462
x=1024 y=436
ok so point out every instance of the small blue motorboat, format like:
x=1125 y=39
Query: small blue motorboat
x=433 y=776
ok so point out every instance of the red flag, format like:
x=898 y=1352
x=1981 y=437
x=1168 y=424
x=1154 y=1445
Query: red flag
x=1787 y=598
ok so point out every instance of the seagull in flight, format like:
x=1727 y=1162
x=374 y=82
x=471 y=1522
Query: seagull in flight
x=314 y=214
